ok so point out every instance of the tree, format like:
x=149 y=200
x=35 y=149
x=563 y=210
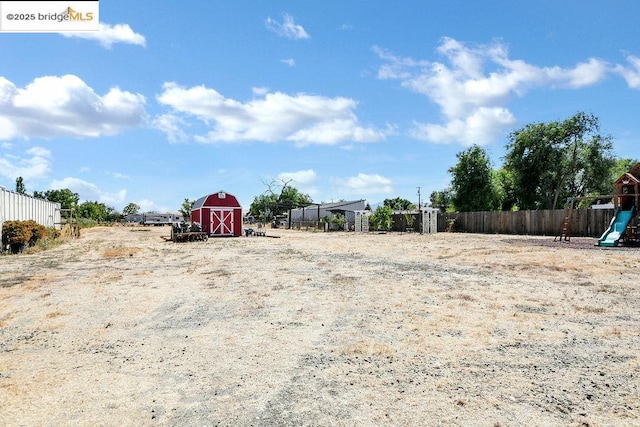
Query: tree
x=381 y=218
x=66 y=198
x=503 y=183
x=291 y=198
x=472 y=184
x=20 y=188
x=399 y=204
x=278 y=199
x=441 y=200
x=620 y=167
x=263 y=207
x=96 y=211
x=185 y=209
x=552 y=161
x=131 y=209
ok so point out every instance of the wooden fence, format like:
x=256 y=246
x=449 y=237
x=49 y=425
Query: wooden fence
x=585 y=222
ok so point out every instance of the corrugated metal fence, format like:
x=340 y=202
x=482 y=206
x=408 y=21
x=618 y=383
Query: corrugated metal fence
x=21 y=207
x=585 y=222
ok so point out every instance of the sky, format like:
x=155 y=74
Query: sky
x=342 y=100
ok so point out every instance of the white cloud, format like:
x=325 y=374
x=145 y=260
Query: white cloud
x=147 y=205
x=287 y=28
x=363 y=185
x=107 y=35
x=585 y=73
x=303 y=177
x=90 y=192
x=260 y=90
x=302 y=119
x=35 y=165
x=289 y=61
x=171 y=125
x=473 y=85
x=481 y=127
x=631 y=73
x=118 y=175
x=52 y=106
x=303 y=180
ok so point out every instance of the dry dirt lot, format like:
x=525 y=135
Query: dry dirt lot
x=120 y=327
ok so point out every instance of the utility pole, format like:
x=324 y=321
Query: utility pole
x=420 y=212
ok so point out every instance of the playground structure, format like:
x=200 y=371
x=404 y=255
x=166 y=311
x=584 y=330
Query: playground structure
x=624 y=224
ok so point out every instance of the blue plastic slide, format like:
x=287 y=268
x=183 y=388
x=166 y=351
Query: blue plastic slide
x=616 y=229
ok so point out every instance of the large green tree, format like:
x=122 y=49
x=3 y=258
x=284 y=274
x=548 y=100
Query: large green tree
x=278 y=199
x=552 y=161
x=96 y=211
x=441 y=200
x=263 y=207
x=131 y=209
x=503 y=183
x=399 y=204
x=67 y=198
x=620 y=166
x=472 y=182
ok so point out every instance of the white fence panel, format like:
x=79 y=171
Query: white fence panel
x=429 y=221
x=362 y=221
x=21 y=207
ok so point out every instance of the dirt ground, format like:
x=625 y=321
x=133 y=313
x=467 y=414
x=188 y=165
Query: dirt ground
x=121 y=327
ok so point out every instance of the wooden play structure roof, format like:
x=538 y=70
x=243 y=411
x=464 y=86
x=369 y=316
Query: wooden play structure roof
x=629 y=178
x=626 y=179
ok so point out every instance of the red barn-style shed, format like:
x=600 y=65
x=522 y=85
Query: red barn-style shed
x=219 y=214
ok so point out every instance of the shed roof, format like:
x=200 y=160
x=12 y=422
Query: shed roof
x=202 y=200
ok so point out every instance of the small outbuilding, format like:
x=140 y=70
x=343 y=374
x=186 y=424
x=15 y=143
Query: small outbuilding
x=219 y=214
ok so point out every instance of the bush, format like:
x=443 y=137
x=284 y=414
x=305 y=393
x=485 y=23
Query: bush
x=20 y=234
x=16 y=232
x=381 y=218
x=38 y=231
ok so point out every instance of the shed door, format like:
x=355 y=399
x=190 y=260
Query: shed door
x=221 y=222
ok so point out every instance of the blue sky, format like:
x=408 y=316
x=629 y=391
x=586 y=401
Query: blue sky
x=349 y=100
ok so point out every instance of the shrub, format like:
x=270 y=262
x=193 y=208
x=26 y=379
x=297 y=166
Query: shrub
x=38 y=231
x=16 y=232
x=381 y=218
x=20 y=234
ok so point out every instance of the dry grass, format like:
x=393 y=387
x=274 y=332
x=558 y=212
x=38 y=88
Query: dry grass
x=120 y=327
x=119 y=252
